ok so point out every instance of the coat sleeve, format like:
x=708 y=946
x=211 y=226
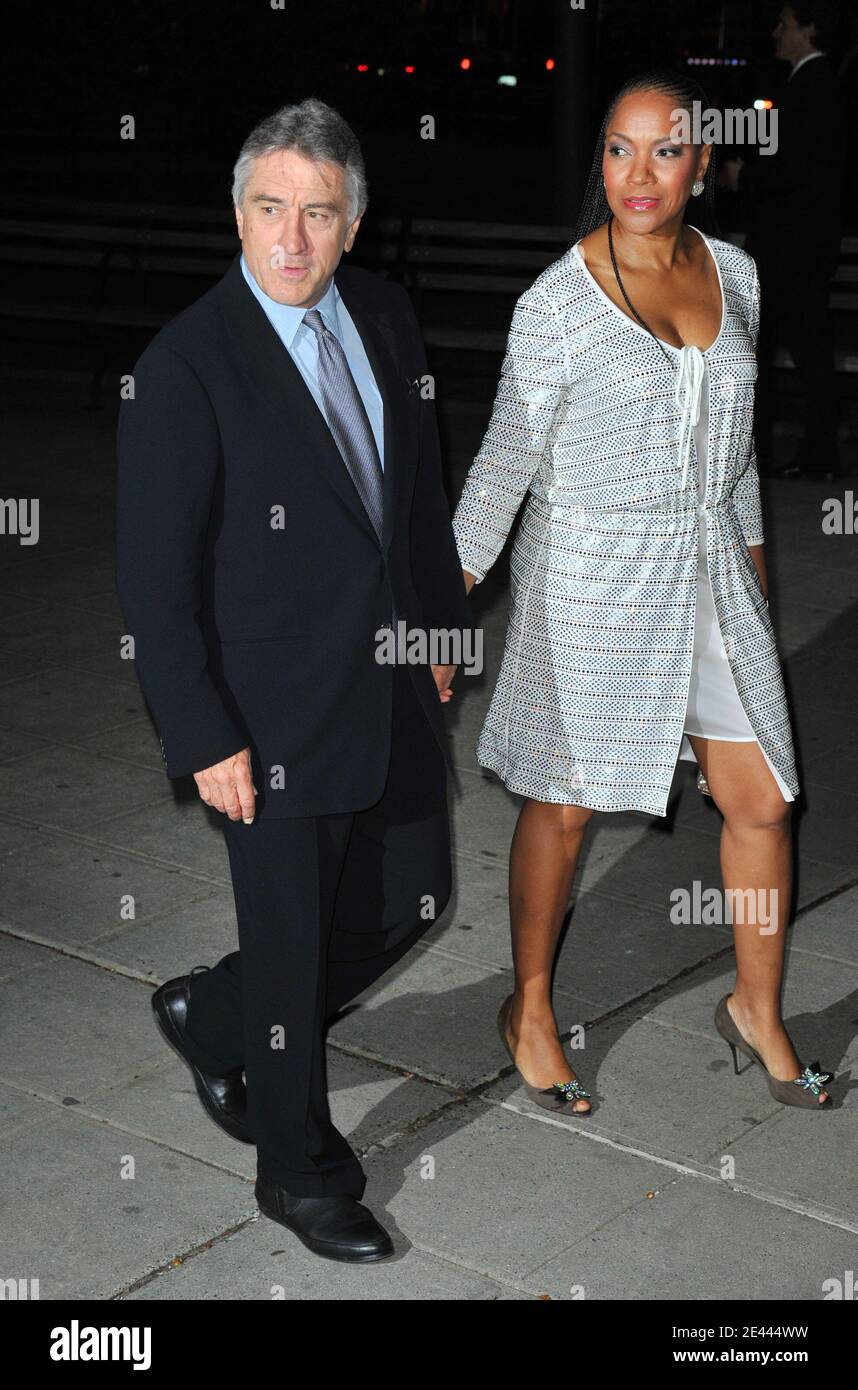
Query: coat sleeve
x=533 y=375
x=746 y=492
x=168 y=458
x=435 y=569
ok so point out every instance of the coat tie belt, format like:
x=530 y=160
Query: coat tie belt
x=687 y=394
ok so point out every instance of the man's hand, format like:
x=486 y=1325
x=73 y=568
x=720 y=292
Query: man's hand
x=443 y=676
x=228 y=787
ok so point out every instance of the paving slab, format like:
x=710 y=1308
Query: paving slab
x=18 y=1108
x=67 y=704
x=16 y=836
x=75 y=572
x=696 y=1241
x=85 y=1231
x=264 y=1261
x=501 y=1193
x=35 y=897
x=829 y=928
x=52 y=634
x=16 y=744
x=75 y=789
x=370 y=1104
x=835 y=767
x=136 y=743
x=17 y=955
x=785 y=1158
x=432 y=1014
x=71 y=1029
x=195 y=928
x=181 y=832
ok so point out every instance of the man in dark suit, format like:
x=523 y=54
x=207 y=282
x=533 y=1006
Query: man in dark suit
x=793 y=209
x=280 y=506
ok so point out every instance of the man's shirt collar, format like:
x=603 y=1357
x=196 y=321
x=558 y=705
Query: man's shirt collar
x=288 y=318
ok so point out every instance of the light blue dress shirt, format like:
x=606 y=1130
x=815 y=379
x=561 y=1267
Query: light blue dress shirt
x=287 y=320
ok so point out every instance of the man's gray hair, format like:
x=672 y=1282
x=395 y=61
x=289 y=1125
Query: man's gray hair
x=312 y=129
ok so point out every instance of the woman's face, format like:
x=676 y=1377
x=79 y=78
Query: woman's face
x=648 y=172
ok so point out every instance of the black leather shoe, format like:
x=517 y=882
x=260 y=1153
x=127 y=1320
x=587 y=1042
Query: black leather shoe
x=224 y=1097
x=337 y=1228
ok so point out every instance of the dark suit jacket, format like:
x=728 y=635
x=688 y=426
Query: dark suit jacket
x=251 y=634
x=793 y=195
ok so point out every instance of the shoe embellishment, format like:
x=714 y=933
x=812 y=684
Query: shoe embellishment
x=812 y=1080
x=570 y=1090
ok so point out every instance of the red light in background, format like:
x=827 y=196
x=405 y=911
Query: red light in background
x=363 y=67
x=409 y=67
x=465 y=64
x=550 y=64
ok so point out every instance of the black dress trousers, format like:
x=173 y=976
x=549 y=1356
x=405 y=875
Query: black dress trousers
x=325 y=905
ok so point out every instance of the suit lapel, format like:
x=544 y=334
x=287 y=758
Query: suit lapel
x=288 y=393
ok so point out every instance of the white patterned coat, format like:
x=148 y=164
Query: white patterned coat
x=596 y=426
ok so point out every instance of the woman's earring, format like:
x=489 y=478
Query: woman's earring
x=697 y=188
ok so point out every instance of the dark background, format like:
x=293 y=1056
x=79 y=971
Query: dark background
x=94 y=227
x=196 y=76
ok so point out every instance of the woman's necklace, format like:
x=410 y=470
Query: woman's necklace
x=625 y=296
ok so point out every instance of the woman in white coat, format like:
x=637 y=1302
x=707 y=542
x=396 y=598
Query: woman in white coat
x=639 y=630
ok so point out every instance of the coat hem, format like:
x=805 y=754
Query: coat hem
x=515 y=784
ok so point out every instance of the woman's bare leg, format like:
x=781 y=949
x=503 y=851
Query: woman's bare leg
x=543 y=859
x=756 y=854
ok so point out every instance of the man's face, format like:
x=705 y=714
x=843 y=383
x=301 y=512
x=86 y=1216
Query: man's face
x=294 y=226
x=791 y=40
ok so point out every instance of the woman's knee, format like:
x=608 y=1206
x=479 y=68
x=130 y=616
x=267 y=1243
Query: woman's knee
x=766 y=811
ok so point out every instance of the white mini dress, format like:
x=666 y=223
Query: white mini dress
x=714 y=709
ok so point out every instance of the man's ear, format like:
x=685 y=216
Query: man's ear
x=239 y=222
x=351 y=234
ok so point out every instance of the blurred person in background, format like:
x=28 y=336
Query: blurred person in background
x=793 y=210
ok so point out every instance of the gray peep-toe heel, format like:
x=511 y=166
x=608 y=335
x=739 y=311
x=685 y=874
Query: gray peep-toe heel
x=802 y=1091
x=562 y=1095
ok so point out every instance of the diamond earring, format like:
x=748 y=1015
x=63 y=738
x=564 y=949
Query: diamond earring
x=697 y=188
